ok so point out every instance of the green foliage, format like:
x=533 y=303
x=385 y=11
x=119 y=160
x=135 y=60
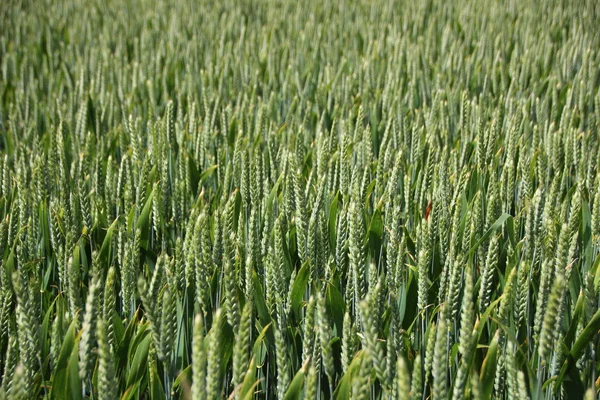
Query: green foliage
x=299 y=200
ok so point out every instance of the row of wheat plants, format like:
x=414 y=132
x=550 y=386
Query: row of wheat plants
x=299 y=199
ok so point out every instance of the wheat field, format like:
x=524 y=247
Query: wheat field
x=312 y=199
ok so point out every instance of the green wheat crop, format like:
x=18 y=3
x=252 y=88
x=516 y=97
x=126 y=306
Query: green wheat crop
x=313 y=199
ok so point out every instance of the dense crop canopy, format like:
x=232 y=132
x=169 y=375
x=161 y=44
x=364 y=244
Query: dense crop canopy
x=309 y=199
